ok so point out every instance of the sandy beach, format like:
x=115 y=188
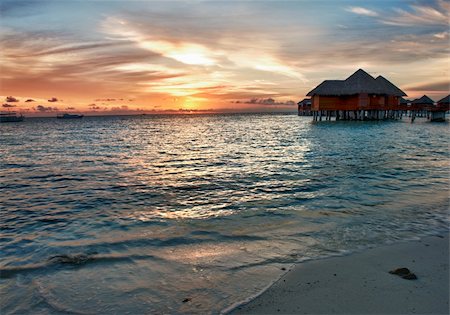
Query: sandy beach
x=361 y=283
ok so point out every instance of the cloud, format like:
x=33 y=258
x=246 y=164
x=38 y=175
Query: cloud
x=105 y=100
x=193 y=51
x=440 y=86
x=421 y=15
x=11 y=99
x=88 y=71
x=185 y=52
x=53 y=99
x=70 y=108
x=443 y=35
x=120 y=108
x=8 y=105
x=70 y=48
x=29 y=100
x=361 y=11
x=94 y=106
x=265 y=101
x=42 y=108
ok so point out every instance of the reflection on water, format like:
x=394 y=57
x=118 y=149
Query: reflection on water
x=135 y=214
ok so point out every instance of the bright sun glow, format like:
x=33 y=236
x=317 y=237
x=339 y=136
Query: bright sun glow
x=191 y=58
x=189 y=104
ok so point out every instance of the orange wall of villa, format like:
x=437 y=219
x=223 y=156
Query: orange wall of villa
x=355 y=102
x=335 y=102
x=383 y=102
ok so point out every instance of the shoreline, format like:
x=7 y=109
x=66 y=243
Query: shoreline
x=360 y=283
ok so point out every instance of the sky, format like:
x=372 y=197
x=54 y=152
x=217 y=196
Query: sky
x=110 y=57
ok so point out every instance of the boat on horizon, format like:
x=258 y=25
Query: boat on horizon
x=11 y=117
x=69 y=116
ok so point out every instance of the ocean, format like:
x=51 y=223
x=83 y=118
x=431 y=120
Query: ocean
x=192 y=213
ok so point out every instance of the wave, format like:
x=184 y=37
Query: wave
x=81 y=259
x=73 y=260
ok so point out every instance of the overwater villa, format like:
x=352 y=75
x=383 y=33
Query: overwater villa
x=438 y=112
x=422 y=105
x=362 y=97
x=304 y=107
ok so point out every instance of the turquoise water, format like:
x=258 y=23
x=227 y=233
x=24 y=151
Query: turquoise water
x=134 y=215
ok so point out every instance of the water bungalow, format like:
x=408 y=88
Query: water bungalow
x=304 y=107
x=422 y=105
x=438 y=112
x=359 y=97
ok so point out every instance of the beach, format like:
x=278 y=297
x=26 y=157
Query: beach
x=361 y=283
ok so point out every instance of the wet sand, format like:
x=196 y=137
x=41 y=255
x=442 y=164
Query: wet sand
x=361 y=283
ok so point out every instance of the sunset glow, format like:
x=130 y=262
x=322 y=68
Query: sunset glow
x=106 y=57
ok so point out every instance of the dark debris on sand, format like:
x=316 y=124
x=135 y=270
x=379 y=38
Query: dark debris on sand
x=405 y=273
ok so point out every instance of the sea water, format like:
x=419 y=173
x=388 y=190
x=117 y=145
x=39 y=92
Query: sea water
x=192 y=213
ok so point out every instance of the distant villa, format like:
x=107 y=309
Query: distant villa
x=363 y=97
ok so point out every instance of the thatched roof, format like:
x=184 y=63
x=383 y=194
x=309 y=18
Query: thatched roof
x=362 y=82
x=423 y=100
x=445 y=100
x=358 y=82
x=328 y=87
x=305 y=101
x=389 y=86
